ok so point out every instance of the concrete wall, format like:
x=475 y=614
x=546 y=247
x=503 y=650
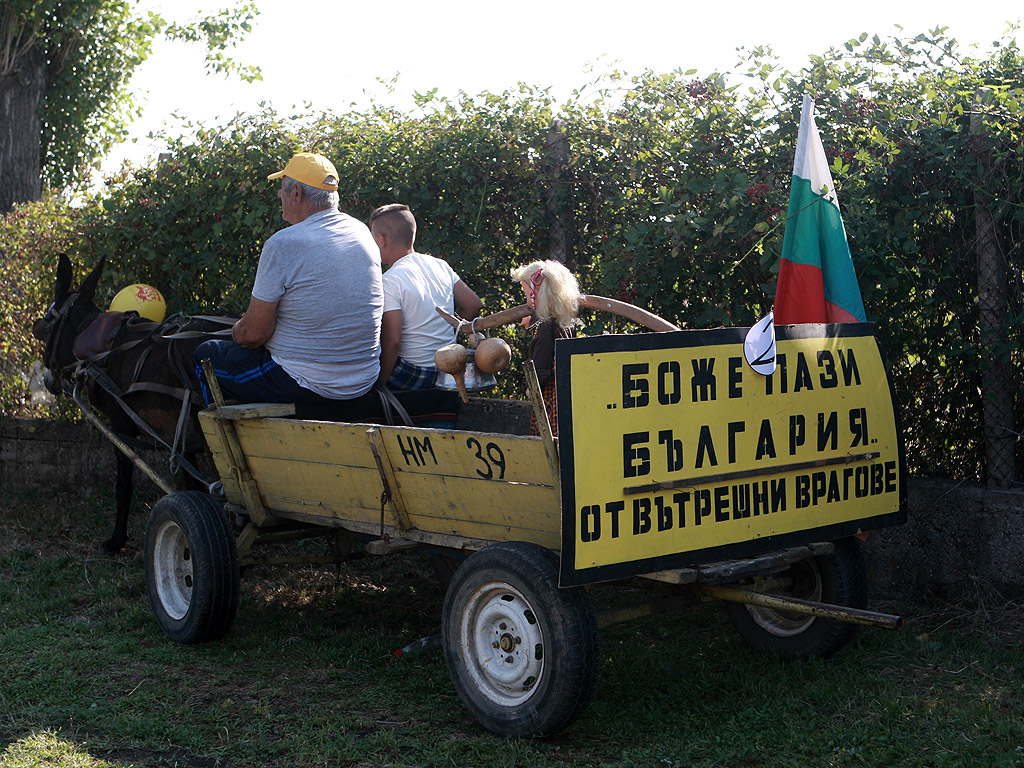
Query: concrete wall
x=55 y=455
x=42 y=455
x=962 y=540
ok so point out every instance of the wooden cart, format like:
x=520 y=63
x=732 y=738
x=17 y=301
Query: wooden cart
x=676 y=464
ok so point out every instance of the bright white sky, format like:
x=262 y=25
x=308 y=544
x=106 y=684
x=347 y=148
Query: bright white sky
x=330 y=53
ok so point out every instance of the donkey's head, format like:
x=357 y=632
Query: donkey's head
x=70 y=313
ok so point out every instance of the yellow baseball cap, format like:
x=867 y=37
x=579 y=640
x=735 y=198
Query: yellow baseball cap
x=314 y=170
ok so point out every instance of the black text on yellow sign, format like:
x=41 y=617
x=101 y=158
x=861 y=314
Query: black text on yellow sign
x=678 y=452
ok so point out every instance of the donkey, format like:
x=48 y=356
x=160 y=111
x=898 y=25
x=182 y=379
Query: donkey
x=145 y=375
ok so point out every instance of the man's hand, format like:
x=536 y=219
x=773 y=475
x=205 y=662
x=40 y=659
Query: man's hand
x=257 y=325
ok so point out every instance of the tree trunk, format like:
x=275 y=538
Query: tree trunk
x=21 y=94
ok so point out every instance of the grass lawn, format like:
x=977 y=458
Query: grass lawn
x=306 y=677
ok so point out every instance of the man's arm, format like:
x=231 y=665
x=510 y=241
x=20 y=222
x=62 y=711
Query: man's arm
x=390 y=340
x=467 y=303
x=256 y=327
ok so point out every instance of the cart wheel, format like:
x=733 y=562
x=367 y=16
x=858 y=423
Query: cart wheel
x=523 y=654
x=839 y=578
x=192 y=574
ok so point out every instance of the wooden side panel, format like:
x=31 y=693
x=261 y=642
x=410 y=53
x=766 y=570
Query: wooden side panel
x=209 y=424
x=483 y=509
x=287 y=484
x=305 y=441
x=479 y=455
x=221 y=459
x=469 y=484
x=302 y=463
x=475 y=484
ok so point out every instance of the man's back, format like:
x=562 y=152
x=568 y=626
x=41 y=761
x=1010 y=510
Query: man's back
x=325 y=275
x=416 y=284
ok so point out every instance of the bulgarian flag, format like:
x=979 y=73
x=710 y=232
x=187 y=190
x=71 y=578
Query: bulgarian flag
x=817 y=282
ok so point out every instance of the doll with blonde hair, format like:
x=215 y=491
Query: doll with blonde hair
x=552 y=294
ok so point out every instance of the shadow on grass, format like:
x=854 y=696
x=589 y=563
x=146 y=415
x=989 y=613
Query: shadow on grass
x=306 y=677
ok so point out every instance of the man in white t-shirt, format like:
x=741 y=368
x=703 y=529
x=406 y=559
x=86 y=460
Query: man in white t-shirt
x=414 y=285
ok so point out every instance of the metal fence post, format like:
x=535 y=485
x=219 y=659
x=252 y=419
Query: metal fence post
x=996 y=385
x=559 y=195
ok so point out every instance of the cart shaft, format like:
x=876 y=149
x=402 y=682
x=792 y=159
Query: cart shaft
x=808 y=607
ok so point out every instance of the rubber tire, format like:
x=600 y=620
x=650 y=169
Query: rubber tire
x=522 y=583
x=839 y=578
x=192 y=573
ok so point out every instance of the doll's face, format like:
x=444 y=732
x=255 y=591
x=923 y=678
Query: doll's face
x=531 y=295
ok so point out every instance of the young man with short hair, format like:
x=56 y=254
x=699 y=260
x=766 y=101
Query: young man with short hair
x=414 y=285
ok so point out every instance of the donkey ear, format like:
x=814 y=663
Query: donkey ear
x=63 y=284
x=88 y=288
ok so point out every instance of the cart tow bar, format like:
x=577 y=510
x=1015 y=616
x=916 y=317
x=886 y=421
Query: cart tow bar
x=808 y=607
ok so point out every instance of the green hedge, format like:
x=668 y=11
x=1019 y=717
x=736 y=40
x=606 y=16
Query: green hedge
x=675 y=187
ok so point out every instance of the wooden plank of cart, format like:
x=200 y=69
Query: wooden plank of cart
x=677 y=463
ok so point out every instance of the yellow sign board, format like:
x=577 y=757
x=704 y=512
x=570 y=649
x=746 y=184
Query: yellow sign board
x=674 y=451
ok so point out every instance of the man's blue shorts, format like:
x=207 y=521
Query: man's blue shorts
x=248 y=375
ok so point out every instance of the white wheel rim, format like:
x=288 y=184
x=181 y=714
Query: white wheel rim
x=502 y=643
x=172 y=570
x=806 y=586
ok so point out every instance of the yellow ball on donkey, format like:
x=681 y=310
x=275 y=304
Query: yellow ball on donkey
x=144 y=299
